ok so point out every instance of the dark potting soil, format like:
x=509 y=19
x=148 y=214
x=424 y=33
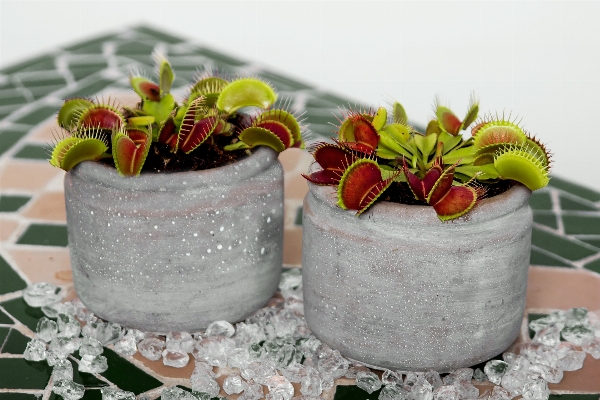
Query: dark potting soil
x=399 y=192
x=209 y=154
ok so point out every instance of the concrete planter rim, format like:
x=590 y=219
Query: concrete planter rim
x=394 y=213
x=238 y=171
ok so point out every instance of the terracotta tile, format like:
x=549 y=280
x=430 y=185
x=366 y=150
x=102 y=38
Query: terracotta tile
x=48 y=206
x=7 y=227
x=44 y=265
x=295 y=187
x=27 y=175
x=581 y=381
x=292 y=246
x=562 y=288
x=163 y=370
x=289 y=158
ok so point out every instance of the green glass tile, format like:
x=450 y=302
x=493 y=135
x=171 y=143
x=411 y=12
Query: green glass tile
x=282 y=83
x=15 y=343
x=18 y=396
x=321 y=120
x=593 y=242
x=126 y=375
x=322 y=131
x=546 y=218
x=298 y=220
x=184 y=74
x=45 y=62
x=33 y=151
x=540 y=258
x=5 y=319
x=135 y=48
x=7 y=84
x=219 y=58
x=593 y=266
x=12 y=97
x=87 y=46
x=540 y=201
x=326 y=100
x=3 y=335
x=17 y=373
x=8 y=137
x=10 y=203
x=81 y=72
x=89 y=394
x=43 y=91
x=38 y=115
x=85 y=379
x=21 y=311
x=581 y=224
x=163 y=37
x=567 y=203
x=573 y=396
x=34 y=81
x=533 y=317
x=45 y=235
x=145 y=59
x=90 y=89
x=6 y=111
x=564 y=247
x=575 y=189
x=11 y=281
x=354 y=393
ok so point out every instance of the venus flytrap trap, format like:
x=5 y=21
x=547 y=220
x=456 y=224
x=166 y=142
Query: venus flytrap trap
x=214 y=114
x=377 y=148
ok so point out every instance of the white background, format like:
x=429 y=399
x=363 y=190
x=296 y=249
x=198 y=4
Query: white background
x=538 y=60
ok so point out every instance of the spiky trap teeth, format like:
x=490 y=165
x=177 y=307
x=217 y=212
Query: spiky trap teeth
x=525 y=163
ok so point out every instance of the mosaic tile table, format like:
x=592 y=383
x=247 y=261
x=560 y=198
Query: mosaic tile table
x=565 y=257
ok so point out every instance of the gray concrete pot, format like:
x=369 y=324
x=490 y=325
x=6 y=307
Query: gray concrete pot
x=176 y=251
x=396 y=288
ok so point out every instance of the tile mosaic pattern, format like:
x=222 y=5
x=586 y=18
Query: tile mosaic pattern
x=565 y=254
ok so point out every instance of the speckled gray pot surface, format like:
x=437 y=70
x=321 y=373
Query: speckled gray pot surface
x=176 y=251
x=396 y=288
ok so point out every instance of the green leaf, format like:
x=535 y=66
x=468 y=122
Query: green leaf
x=386 y=141
x=141 y=121
x=400 y=132
x=254 y=136
x=246 y=92
x=464 y=154
x=471 y=114
x=70 y=151
x=433 y=127
x=239 y=145
x=517 y=163
x=166 y=75
x=69 y=111
x=399 y=113
x=384 y=152
x=160 y=110
x=449 y=141
x=483 y=172
x=380 y=119
x=425 y=144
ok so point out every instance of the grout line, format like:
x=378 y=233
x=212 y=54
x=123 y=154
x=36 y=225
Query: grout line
x=547 y=252
x=554 y=195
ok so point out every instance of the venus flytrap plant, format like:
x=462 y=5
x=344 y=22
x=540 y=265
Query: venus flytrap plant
x=210 y=115
x=440 y=167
